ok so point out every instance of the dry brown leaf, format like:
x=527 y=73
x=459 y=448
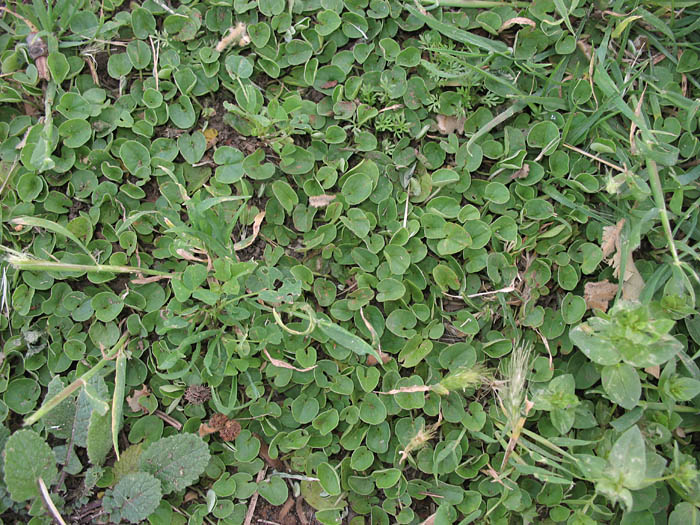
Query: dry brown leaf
x=282 y=364
x=188 y=256
x=256 y=229
x=430 y=520
x=372 y=361
x=633 y=283
x=205 y=430
x=653 y=370
x=449 y=124
x=522 y=172
x=598 y=295
x=611 y=238
x=133 y=399
x=520 y=20
x=320 y=201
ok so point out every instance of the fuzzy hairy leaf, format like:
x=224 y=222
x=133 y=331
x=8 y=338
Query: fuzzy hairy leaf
x=133 y=499
x=95 y=389
x=99 y=437
x=177 y=461
x=128 y=462
x=27 y=458
x=71 y=417
x=60 y=420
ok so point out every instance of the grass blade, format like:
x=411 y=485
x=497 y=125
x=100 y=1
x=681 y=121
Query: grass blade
x=51 y=226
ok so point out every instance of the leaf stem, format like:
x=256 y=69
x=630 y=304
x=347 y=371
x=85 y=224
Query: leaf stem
x=25 y=263
x=658 y=194
x=662 y=406
x=472 y=4
x=501 y=117
x=75 y=385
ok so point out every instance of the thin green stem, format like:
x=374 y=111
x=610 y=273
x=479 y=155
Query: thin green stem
x=658 y=194
x=473 y=4
x=75 y=385
x=25 y=263
x=662 y=406
x=498 y=119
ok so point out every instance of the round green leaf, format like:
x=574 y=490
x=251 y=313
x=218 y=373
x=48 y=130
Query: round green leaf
x=22 y=394
x=107 y=306
x=372 y=410
x=357 y=188
x=328 y=478
x=76 y=132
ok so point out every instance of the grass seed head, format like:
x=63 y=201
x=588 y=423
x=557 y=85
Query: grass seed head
x=513 y=388
x=418 y=441
x=463 y=378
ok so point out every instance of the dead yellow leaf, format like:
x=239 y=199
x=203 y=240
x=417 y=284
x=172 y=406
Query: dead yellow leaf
x=133 y=399
x=256 y=229
x=281 y=364
x=212 y=136
x=632 y=282
x=520 y=20
x=611 y=238
x=598 y=295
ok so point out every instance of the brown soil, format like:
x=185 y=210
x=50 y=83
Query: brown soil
x=254 y=252
x=266 y=513
x=228 y=136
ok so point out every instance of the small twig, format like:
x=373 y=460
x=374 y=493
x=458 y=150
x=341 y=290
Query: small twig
x=285 y=508
x=254 y=498
x=31 y=26
x=268 y=522
x=48 y=503
x=90 y=61
x=507 y=289
x=169 y=419
x=162 y=4
x=156 y=53
x=297 y=477
x=405 y=211
x=546 y=345
x=300 y=511
x=596 y=158
x=390 y=108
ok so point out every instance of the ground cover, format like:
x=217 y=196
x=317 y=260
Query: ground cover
x=350 y=262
